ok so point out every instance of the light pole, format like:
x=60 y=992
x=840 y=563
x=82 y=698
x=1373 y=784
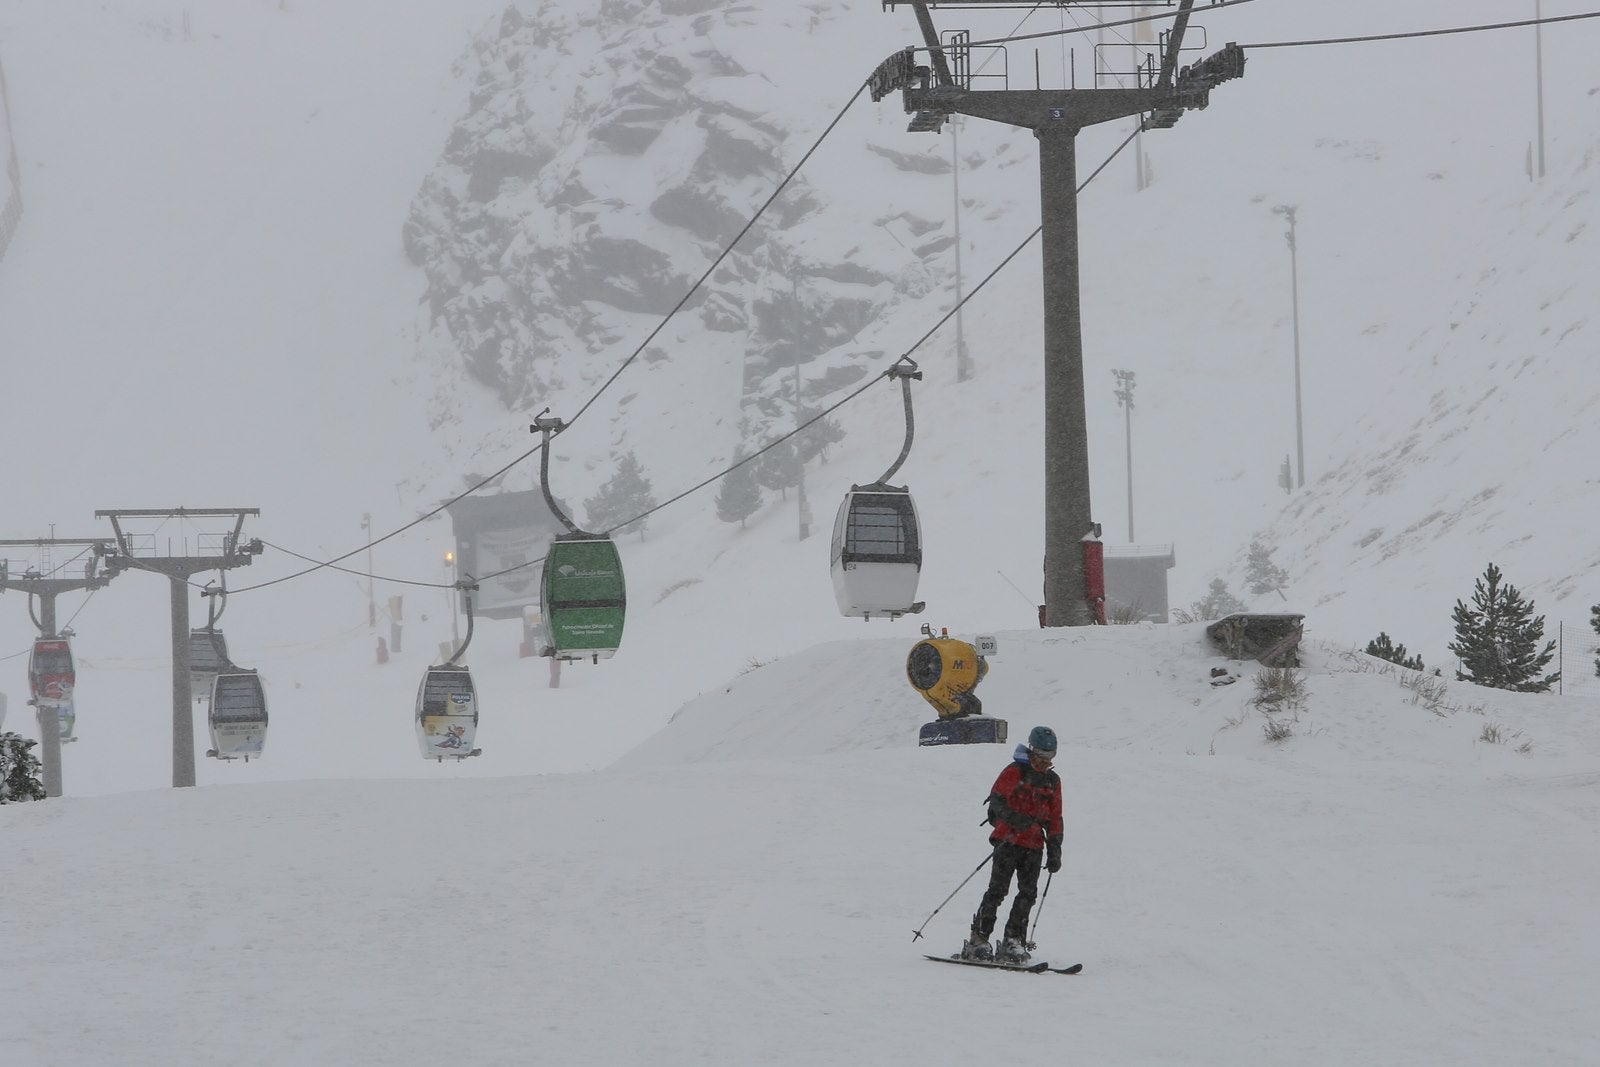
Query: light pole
x=1288 y=212
x=1538 y=68
x=450 y=598
x=963 y=357
x=372 y=601
x=1124 y=395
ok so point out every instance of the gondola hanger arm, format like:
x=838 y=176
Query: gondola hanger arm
x=548 y=426
x=905 y=369
x=467 y=585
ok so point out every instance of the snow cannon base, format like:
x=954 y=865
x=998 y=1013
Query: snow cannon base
x=968 y=730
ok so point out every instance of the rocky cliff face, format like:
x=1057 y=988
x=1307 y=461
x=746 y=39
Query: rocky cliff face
x=605 y=158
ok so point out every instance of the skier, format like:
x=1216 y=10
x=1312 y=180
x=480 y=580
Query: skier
x=1025 y=811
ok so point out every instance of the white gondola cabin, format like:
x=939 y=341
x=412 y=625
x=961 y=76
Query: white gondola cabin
x=877 y=553
x=447 y=713
x=237 y=715
x=208 y=657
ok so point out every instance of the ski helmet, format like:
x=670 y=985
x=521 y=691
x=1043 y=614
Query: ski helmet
x=1042 y=739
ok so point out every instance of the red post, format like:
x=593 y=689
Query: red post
x=1094 y=577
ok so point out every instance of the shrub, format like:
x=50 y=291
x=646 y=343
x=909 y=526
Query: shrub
x=1383 y=648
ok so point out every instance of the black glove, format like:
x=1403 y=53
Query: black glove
x=1052 y=850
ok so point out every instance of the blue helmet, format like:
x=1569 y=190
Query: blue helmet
x=1042 y=739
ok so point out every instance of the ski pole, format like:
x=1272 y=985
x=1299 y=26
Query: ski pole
x=918 y=931
x=1040 y=910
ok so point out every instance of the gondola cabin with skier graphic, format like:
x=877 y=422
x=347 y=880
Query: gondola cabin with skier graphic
x=584 y=597
x=447 y=713
x=51 y=676
x=237 y=715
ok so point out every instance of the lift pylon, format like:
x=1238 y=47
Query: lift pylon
x=931 y=94
x=212 y=552
x=43 y=584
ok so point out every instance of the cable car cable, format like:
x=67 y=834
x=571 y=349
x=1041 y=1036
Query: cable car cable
x=342 y=570
x=424 y=517
x=1428 y=33
x=1219 y=4
x=726 y=251
x=332 y=564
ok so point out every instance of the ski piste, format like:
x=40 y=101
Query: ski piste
x=1030 y=968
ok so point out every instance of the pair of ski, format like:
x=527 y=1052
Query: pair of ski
x=1031 y=968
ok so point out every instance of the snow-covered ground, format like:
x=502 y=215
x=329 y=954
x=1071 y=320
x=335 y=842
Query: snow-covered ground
x=1385 y=887
x=207 y=304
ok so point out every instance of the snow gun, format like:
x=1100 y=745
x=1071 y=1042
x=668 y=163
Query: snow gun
x=946 y=671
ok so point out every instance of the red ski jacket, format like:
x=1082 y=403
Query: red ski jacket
x=1025 y=807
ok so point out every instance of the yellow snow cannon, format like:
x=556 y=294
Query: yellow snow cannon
x=946 y=671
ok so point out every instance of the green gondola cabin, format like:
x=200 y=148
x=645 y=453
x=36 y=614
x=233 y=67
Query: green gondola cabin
x=584 y=597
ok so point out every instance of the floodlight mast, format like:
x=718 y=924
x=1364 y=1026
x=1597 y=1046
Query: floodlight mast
x=47 y=588
x=1055 y=116
x=179 y=569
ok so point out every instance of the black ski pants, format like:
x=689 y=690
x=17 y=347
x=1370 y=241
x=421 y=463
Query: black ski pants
x=1009 y=860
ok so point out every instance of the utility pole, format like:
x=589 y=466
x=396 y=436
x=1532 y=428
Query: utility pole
x=1538 y=67
x=372 y=600
x=125 y=554
x=1055 y=116
x=1288 y=212
x=1124 y=394
x=46 y=585
x=963 y=357
x=802 y=508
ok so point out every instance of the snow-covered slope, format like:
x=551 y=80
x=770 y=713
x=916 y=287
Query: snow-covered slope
x=1383 y=887
x=210 y=303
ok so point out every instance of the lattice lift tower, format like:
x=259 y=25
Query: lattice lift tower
x=131 y=553
x=933 y=93
x=47 y=584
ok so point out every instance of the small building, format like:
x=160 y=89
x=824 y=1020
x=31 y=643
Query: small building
x=1136 y=582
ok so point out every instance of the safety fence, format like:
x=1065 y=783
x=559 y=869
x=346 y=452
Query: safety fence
x=1577 y=646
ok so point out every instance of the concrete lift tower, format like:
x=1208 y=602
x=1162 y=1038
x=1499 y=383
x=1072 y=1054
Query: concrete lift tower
x=47 y=583
x=213 y=552
x=944 y=87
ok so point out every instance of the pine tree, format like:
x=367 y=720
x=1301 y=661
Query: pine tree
x=740 y=496
x=779 y=467
x=624 y=496
x=1261 y=575
x=815 y=439
x=19 y=770
x=1498 y=638
x=1218 y=602
x=1383 y=648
